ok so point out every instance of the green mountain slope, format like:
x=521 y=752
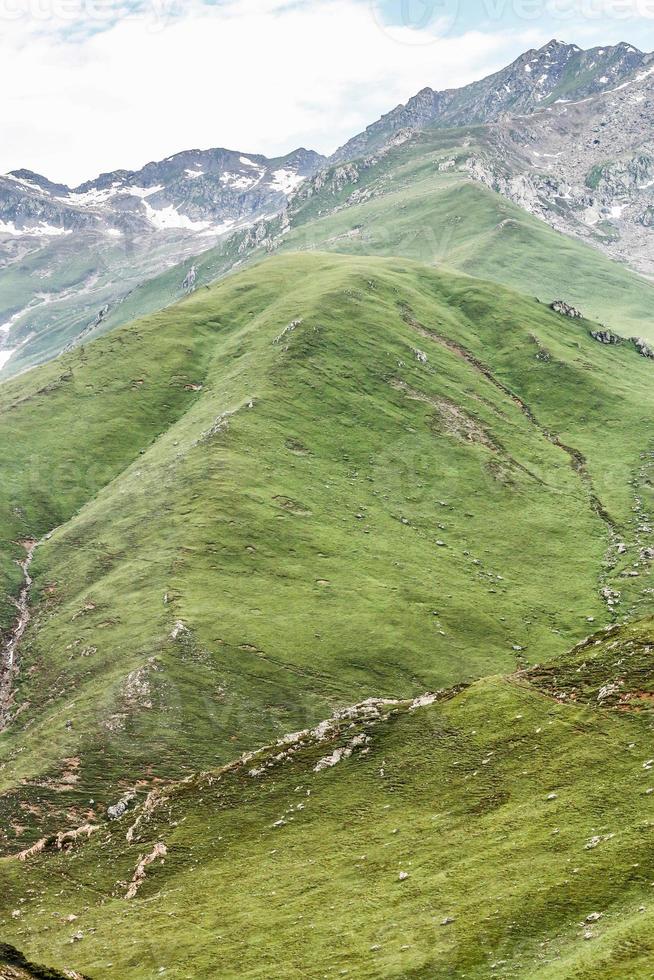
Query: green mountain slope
x=487 y=832
x=419 y=201
x=416 y=201
x=327 y=478
x=364 y=463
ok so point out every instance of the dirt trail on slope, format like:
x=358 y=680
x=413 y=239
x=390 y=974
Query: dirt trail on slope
x=9 y=647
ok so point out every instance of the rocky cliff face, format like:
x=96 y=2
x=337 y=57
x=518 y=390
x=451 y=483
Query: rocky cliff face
x=586 y=166
x=568 y=137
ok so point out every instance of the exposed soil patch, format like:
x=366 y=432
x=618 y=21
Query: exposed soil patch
x=296 y=447
x=292 y=506
x=451 y=418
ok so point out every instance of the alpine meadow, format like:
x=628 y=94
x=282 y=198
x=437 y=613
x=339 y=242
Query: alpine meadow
x=326 y=546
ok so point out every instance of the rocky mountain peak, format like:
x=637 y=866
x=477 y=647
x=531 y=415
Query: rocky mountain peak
x=125 y=227
x=34 y=181
x=537 y=78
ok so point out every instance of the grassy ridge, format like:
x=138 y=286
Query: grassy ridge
x=419 y=201
x=497 y=832
x=416 y=201
x=348 y=503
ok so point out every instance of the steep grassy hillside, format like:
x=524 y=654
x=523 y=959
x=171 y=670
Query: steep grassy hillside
x=418 y=201
x=324 y=479
x=491 y=831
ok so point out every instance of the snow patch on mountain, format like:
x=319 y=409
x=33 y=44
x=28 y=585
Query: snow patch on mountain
x=144 y=192
x=42 y=230
x=239 y=181
x=23 y=181
x=286 y=180
x=92 y=198
x=163 y=219
x=220 y=229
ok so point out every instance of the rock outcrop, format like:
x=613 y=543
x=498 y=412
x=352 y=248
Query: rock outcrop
x=560 y=306
x=643 y=347
x=190 y=280
x=606 y=337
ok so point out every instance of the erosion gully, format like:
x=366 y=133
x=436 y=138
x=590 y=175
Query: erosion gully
x=9 y=647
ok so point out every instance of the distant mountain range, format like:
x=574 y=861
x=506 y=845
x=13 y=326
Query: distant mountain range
x=69 y=255
x=564 y=133
x=206 y=192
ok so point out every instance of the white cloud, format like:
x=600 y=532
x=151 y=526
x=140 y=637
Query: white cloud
x=256 y=75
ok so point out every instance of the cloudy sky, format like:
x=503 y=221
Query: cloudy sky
x=92 y=85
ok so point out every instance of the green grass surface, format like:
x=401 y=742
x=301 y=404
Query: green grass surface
x=416 y=209
x=520 y=826
x=345 y=477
